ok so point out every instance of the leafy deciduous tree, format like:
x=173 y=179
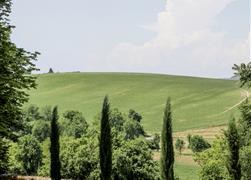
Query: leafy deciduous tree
x=133 y=160
x=29 y=154
x=134 y=115
x=74 y=124
x=41 y=130
x=244 y=72
x=180 y=145
x=16 y=66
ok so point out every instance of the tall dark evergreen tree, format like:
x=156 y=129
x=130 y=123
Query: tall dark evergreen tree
x=105 y=144
x=54 y=148
x=167 y=152
x=233 y=141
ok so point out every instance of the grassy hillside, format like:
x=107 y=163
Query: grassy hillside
x=197 y=102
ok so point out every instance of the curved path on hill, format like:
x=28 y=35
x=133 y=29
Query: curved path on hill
x=210 y=132
x=244 y=94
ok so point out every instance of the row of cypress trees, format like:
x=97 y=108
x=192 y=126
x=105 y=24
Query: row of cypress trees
x=105 y=145
x=167 y=151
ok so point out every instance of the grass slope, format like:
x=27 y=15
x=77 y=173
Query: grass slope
x=197 y=102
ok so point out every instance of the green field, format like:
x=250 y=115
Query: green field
x=197 y=102
x=186 y=172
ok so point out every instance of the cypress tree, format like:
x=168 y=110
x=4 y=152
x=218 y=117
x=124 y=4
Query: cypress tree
x=167 y=152
x=54 y=148
x=233 y=142
x=105 y=144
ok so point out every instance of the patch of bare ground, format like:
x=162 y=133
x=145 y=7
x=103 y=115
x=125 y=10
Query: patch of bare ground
x=208 y=133
x=186 y=158
x=24 y=178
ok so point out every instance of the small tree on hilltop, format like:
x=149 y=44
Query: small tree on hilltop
x=51 y=71
x=167 y=152
x=105 y=144
x=180 y=145
x=54 y=149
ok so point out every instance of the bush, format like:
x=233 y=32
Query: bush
x=133 y=129
x=212 y=161
x=133 y=160
x=245 y=159
x=74 y=124
x=154 y=143
x=41 y=130
x=25 y=156
x=134 y=115
x=198 y=143
x=79 y=158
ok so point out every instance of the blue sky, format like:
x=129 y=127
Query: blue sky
x=185 y=37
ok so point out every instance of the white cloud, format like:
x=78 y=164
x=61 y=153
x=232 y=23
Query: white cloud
x=184 y=43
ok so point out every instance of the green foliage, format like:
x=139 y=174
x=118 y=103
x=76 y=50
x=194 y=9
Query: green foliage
x=105 y=144
x=44 y=169
x=74 y=124
x=233 y=142
x=154 y=143
x=15 y=165
x=41 y=130
x=134 y=115
x=212 y=161
x=244 y=72
x=245 y=123
x=133 y=129
x=130 y=127
x=46 y=113
x=198 y=143
x=54 y=148
x=3 y=155
x=79 y=157
x=25 y=157
x=117 y=120
x=180 y=145
x=16 y=66
x=133 y=160
x=245 y=159
x=167 y=152
x=189 y=136
x=32 y=113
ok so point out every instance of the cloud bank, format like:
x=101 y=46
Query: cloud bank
x=186 y=43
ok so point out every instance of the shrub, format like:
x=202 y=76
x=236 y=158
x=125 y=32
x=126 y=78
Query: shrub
x=198 y=143
x=41 y=130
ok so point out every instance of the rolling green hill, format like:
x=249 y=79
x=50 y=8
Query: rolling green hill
x=197 y=102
